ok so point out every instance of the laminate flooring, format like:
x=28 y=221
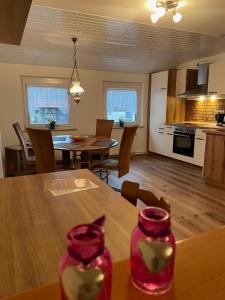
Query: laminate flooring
x=196 y=206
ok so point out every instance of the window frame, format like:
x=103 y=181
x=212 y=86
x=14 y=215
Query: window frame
x=47 y=82
x=138 y=86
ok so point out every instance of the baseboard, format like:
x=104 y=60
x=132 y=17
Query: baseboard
x=132 y=154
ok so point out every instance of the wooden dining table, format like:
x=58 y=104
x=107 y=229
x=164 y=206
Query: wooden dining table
x=34 y=224
x=91 y=143
x=199 y=274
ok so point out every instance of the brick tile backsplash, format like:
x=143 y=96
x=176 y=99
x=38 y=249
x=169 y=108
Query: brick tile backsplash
x=204 y=111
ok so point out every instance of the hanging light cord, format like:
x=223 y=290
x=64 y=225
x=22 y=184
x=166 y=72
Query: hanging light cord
x=74 y=62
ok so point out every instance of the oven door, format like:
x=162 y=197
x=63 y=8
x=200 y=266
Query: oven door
x=184 y=144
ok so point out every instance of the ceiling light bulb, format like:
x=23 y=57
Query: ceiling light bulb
x=202 y=98
x=154 y=18
x=160 y=11
x=213 y=97
x=177 y=17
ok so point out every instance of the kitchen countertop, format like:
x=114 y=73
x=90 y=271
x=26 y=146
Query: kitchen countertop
x=197 y=125
x=216 y=132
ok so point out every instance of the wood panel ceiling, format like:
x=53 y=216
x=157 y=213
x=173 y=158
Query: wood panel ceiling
x=105 y=43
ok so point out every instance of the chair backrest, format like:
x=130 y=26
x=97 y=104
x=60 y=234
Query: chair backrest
x=125 y=149
x=130 y=191
x=41 y=140
x=22 y=140
x=104 y=127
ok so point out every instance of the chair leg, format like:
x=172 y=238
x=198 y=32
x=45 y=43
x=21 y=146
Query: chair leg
x=107 y=176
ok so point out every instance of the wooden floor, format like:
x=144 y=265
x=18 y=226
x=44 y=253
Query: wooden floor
x=196 y=207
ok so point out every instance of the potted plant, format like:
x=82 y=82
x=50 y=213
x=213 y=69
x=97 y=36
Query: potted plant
x=51 y=124
x=121 y=123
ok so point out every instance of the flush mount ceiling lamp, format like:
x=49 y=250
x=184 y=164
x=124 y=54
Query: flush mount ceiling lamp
x=162 y=7
x=75 y=89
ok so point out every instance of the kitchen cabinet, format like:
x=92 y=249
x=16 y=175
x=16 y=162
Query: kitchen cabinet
x=158 y=109
x=199 y=153
x=157 y=120
x=162 y=94
x=157 y=141
x=214 y=170
x=216 y=78
x=186 y=81
x=159 y=81
x=168 y=141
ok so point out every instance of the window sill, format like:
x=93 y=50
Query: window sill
x=118 y=127
x=53 y=130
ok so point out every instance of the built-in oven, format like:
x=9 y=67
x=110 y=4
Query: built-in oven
x=184 y=141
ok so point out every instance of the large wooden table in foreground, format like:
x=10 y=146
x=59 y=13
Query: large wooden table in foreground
x=34 y=224
x=199 y=274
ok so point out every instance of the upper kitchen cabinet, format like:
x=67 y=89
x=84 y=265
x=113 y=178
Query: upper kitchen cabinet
x=216 y=78
x=159 y=81
x=186 y=81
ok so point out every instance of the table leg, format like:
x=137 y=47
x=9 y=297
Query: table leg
x=66 y=158
x=85 y=160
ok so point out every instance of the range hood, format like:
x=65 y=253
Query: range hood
x=200 y=86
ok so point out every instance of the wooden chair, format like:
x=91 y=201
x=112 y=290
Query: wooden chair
x=104 y=127
x=122 y=165
x=42 y=142
x=29 y=161
x=131 y=191
x=44 y=151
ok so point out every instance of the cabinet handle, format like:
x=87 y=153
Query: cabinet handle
x=161 y=128
x=169 y=127
x=200 y=139
x=213 y=92
x=169 y=133
x=160 y=132
x=162 y=89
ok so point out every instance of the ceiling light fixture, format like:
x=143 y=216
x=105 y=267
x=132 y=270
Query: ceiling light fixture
x=161 y=7
x=154 y=18
x=75 y=89
x=177 y=17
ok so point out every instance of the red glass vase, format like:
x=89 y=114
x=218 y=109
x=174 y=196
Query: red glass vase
x=86 y=268
x=152 y=252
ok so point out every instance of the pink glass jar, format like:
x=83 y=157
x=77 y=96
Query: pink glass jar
x=85 y=268
x=152 y=251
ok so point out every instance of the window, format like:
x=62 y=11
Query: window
x=47 y=100
x=123 y=101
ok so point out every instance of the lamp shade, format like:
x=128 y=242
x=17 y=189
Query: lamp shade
x=76 y=91
x=76 y=88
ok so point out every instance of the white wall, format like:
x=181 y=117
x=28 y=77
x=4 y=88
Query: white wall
x=210 y=59
x=91 y=107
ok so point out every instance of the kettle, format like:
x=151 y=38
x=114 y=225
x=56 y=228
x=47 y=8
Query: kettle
x=220 y=119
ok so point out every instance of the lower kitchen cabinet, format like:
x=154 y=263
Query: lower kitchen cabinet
x=168 y=142
x=199 y=153
x=161 y=142
x=157 y=142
